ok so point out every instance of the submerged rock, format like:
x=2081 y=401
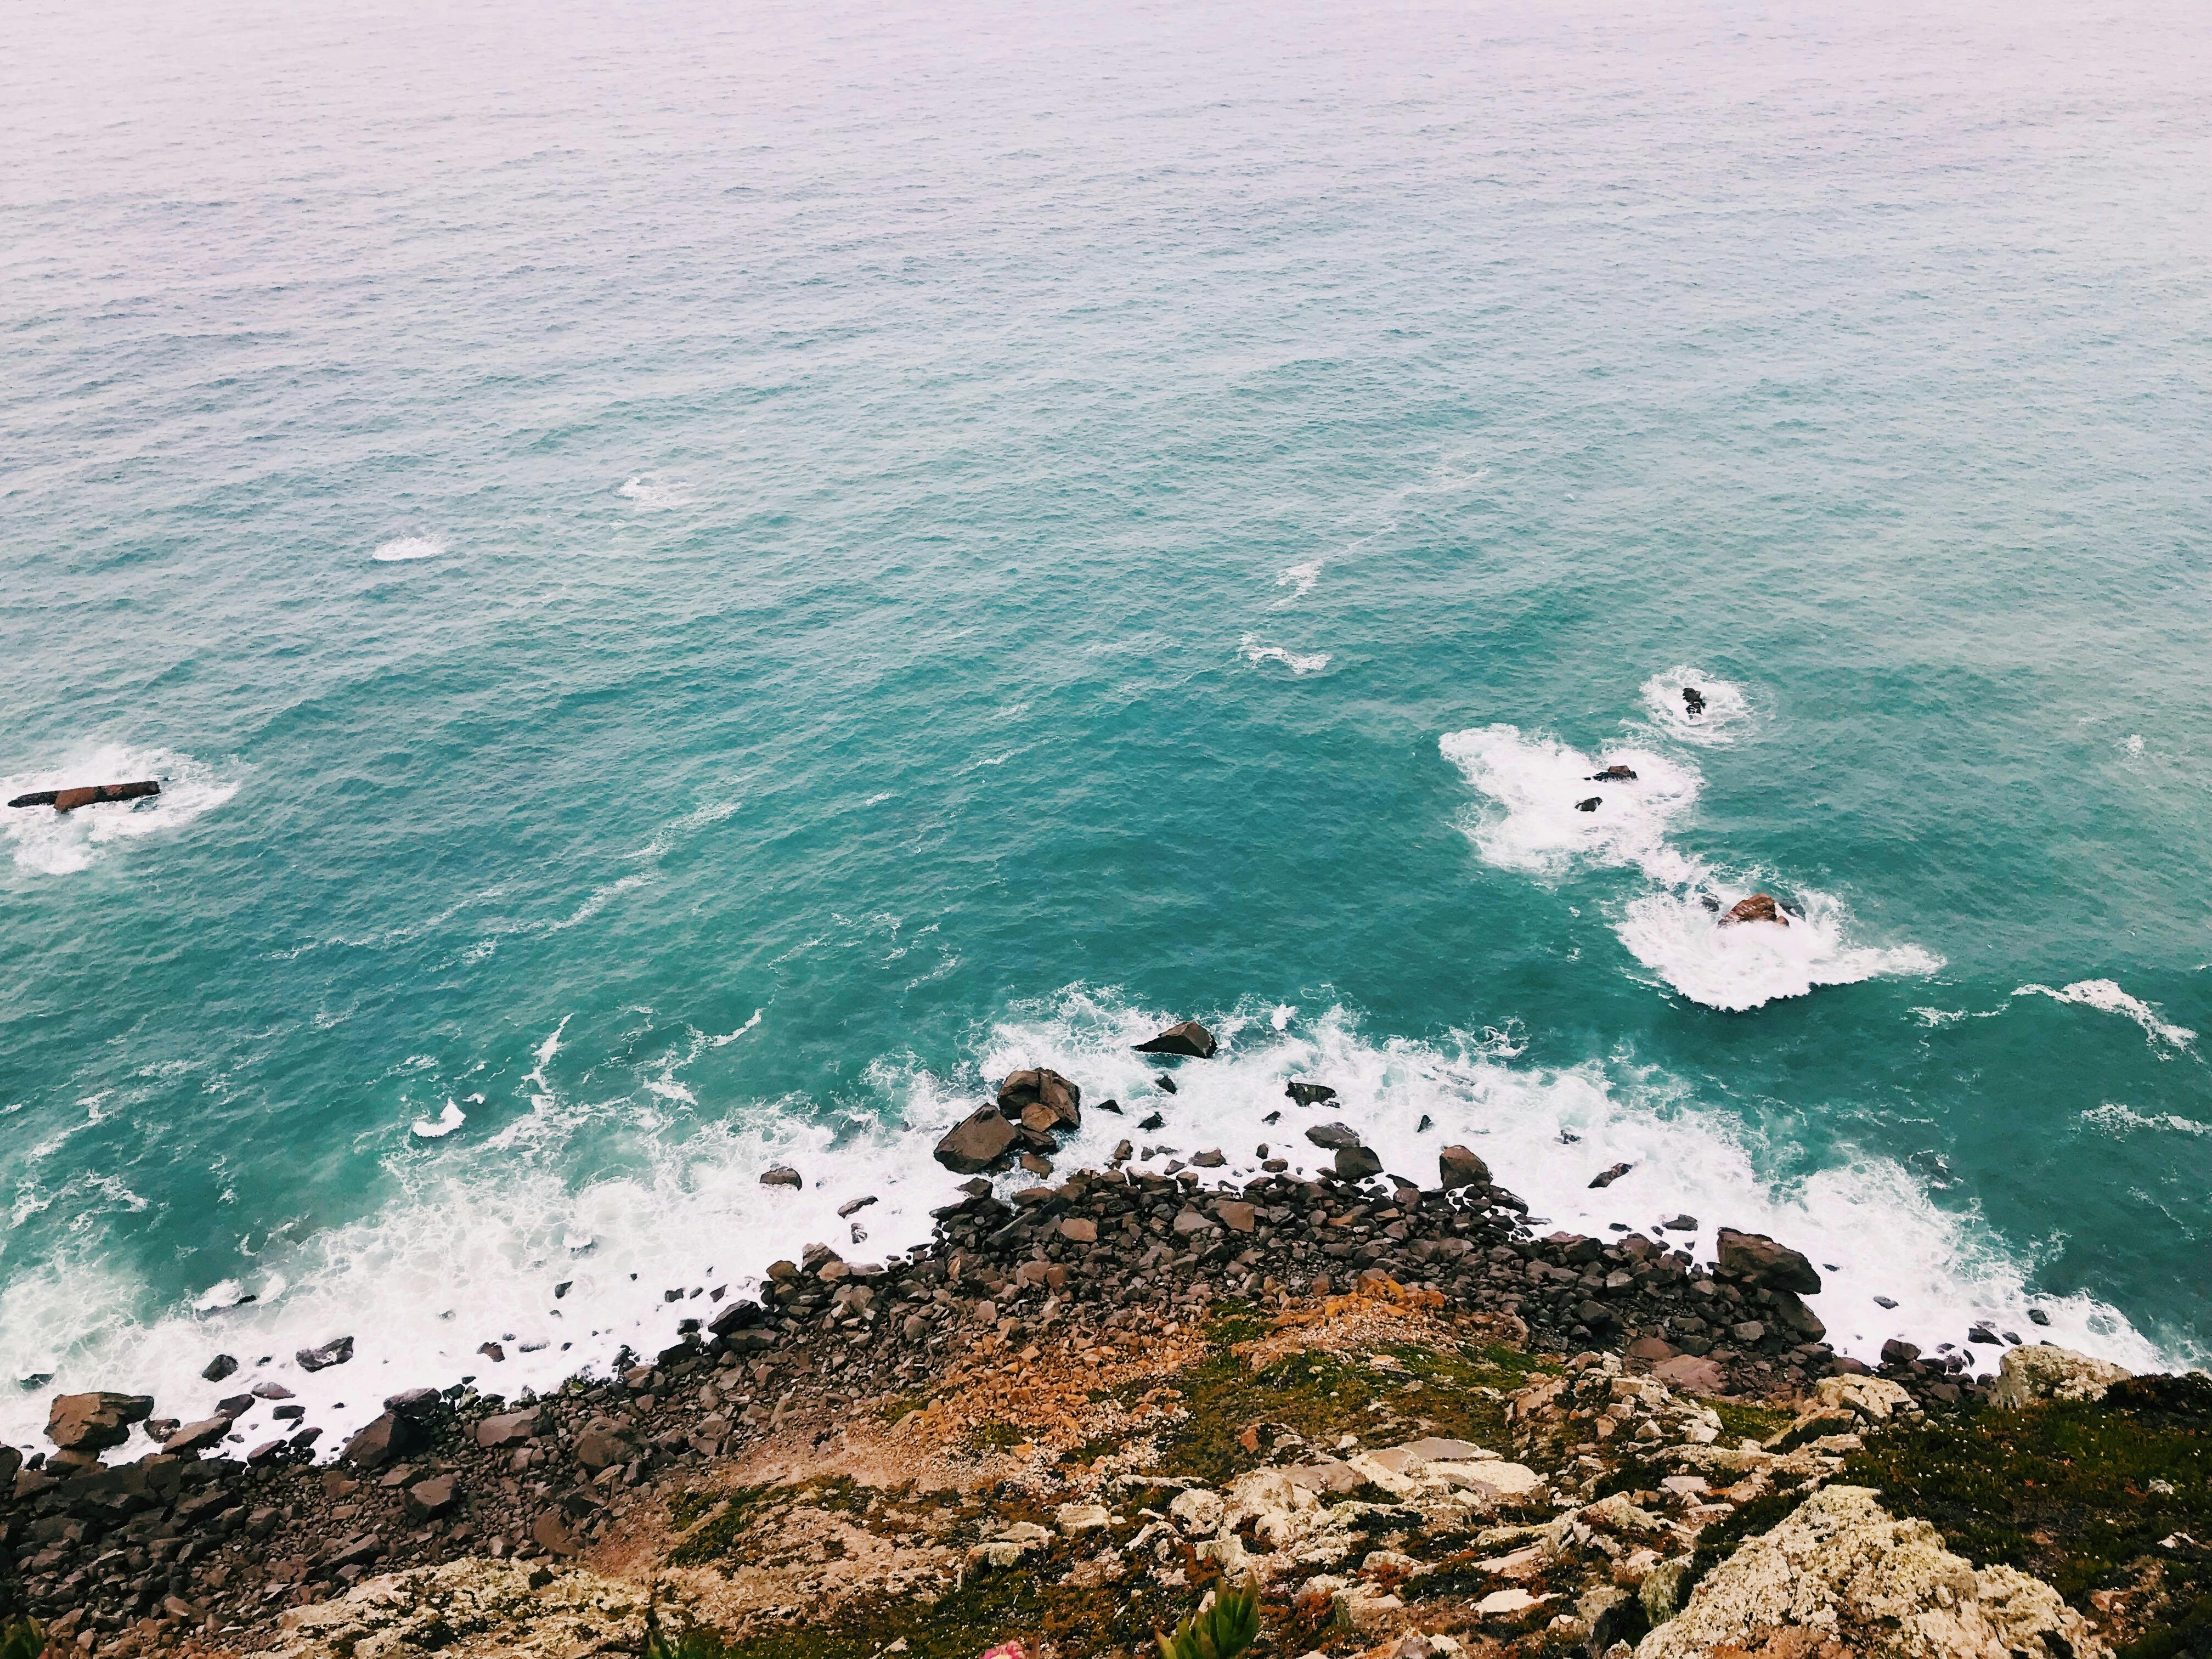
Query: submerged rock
x=1333 y=1136
x=1693 y=700
x=1606 y=1177
x=1614 y=773
x=68 y=800
x=1188 y=1037
x=1309 y=1094
x=1760 y=907
x=1842 y=1577
x=336 y=1352
x=781 y=1175
x=1591 y=804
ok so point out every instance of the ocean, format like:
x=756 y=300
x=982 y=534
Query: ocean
x=701 y=581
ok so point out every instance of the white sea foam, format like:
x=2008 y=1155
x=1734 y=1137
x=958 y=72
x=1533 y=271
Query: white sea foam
x=653 y=492
x=2117 y=1119
x=1257 y=651
x=1534 y=785
x=441 y=1126
x=400 y=549
x=1300 y=580
x=2107 y=997
x=1727 y=716
x=1677 y=934
x=468 y=1247
x=46 y=842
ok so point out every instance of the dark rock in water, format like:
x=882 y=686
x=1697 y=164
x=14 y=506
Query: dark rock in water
x=1605 y=1178
x=2038 y=1317
x=1693 y=700
x=1762 y=1261
x=493 y=1351
x=270 y=1390
x=1897 y=1352
x=1427 y=1124
x=1167 y=1083
x=1709 y=902
x=93 y=1422
x=1153 y=1120
x=1273 y=1117
x=1041 y=1100
x=1614 y=773
x=1333 y=1136
x=1309 y=1094
x=1591 y=804
x=1357 y=1164
x=235 y=1406
x=1569 y=1138
x=1681 y=1224
x=1885 y=1302
x=1760 y=907
x=68 y=800
x=336 y=1352
x=219 y=1367
x=1457 y=1167
x=1187 y=1038
x=853 y=1207
x=781 y=1175
x=1983 y=1334
x=1113 y=1106
x=976 y=1143
x=413 y=1402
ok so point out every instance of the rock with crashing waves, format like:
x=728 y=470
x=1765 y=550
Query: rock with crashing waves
x=1189 y=1037
x=1760 y=907
x=1759 y=1259
x=1041 y=1100
x=978 y=1142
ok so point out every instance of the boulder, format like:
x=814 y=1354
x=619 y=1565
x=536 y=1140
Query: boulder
x=781 y=1175
x=1872 y=1586
x=1309 y=1094
x=386 y=1439
x=1897 y=1352
x=1874 y=1398
x=2030 y=1376
x=1803 y=1322
x=1334 y=1137
x=977 y=1142
x=1693 y=700
x=1761 y=1260
x=508 y=1429
x=601 y=1444
x=1357 y=1164
x=1606 y=1177
x=218 y=1368
x=1591 y=804
x=336 y=1352
x=1041 y=1100
x=1458 y=1167
x=1187 y=1038
x=1760 y=907
x=93 y=1422
x=1080 y=1230
x=197 y=1436
x=426 y=1498
x=1615 y=772
x=1691 y=1374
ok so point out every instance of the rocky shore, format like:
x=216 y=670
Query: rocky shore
x=1420 y=1426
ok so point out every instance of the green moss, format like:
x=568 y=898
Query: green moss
x=1741 y=1421
x=1321 y=1395
x=999 y=1437
x=711 y=1542
x=2070 y=1491
x=989 y=1608
x=2188 y=1637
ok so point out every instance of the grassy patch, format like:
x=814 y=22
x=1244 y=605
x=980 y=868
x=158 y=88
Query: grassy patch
x=2072 y=1493
x=995 y=1437
x=989 y=1608
x=1321 y=1395
x=1741 y=1421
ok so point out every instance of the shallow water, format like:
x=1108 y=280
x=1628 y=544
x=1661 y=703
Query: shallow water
x=700 y=584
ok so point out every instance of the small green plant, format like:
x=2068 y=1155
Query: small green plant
x=21 y=1638
x=1220 y=1632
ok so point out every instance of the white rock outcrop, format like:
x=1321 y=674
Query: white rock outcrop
x=2031 y=1374
x=1841 y=1578
x=472 y=1608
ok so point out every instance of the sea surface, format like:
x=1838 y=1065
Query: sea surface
x=701 y=580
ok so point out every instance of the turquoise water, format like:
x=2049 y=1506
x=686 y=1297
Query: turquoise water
x=702 y=582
